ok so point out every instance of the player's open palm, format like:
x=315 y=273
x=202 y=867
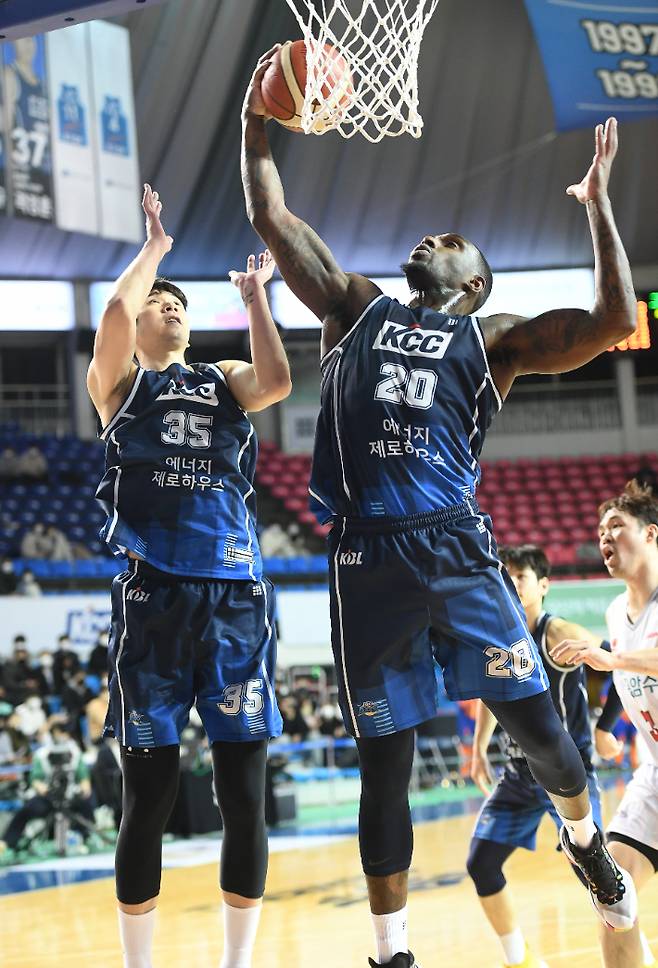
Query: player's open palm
x=153 y=209
x=595 y=183
x=255 y=275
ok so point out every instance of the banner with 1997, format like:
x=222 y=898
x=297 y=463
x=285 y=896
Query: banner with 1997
x=601 y=58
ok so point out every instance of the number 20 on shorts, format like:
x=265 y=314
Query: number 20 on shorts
x=516 y=661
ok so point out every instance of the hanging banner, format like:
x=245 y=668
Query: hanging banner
x=601 y=58
x=71 y=115
x=3 y=155
x=118 y=167
x=28 y=128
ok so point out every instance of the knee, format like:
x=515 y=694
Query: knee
x=385 y=765
x=485 y=872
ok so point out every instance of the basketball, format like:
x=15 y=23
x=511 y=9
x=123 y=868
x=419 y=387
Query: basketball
x=284 y=84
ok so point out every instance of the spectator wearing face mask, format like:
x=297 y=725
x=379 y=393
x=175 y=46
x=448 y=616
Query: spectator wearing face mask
x=29 y=717
x=28 y=585
x=65 y=663
x=75 y=696
x=46 y=674
x=19 y=678
x=98 y=658
x=8 y=577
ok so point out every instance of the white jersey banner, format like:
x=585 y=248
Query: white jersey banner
x=115 y=132
x=71 y=119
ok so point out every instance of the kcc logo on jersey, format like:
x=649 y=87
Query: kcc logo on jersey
x=412 y=341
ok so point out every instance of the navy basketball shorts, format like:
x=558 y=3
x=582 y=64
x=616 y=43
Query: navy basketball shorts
x=178 y=642
x=415 y=596
x=512 y=814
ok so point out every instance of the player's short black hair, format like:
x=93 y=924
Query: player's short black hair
x=637 y=500
x=483 y=269
x=527 y=556
x=164 y=285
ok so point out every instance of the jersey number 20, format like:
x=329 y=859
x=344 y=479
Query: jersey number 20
x=516 y=661
x=413 y=387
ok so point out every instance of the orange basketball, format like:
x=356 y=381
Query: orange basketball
x=284 y=82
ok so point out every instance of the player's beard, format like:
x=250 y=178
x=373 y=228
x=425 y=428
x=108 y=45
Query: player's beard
x=423 y=282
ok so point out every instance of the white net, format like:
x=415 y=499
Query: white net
x=380 y=40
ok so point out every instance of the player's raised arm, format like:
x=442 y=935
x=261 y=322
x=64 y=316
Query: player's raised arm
x=305 y=262
x=564 y=339
x=265 y=380
x=112 y=368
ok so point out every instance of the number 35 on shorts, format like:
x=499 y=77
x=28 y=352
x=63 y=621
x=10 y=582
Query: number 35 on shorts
x=517 y=661
x=242 y=696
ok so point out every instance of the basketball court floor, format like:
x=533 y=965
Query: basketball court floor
x=316 y=911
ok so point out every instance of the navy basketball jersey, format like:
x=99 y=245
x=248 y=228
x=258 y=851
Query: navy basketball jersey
x=32 y=114
x=406 y=399
x=568 y=692
x=178 y=487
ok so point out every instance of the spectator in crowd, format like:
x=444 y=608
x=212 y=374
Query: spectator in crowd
x=59 y=545
x=19 y=678
x=12 y=743
x=296 y=539
x=9 y=464
x=35 y=544
x=106 y=777
x=8 y=577
x=46 y=674
x=275 y=543
x=30 y=718
x=28 y=585
x=98 y=657
x=96 y=710
x=294 y=724
x=44 y=786
x=65 y=663
x=32 y=466
x=75 y=696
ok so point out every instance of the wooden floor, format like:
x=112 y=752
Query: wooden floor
x=316 y=914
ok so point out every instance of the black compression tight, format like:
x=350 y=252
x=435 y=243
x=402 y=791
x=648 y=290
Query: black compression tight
x=551 y=753
x=150 y=784
x=239 y=770
x=385 y=831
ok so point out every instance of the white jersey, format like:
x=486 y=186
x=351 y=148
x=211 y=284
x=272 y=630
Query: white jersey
x=637 y=691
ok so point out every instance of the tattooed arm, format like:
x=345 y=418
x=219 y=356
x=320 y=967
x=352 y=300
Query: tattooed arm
x=305 y=262
x=564 y=339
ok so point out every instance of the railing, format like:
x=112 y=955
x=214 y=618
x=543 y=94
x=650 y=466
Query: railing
x=37 y=408
x=559 y=408
x=647 y=400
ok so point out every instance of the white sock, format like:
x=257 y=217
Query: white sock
x=136 y=932
x=390 y=934
x=581 y=832
x=513 y=946
x=240 y=927
x=647 y=953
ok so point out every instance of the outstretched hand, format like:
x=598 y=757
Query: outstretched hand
x=253 y=99
x=152 y=209
x=595 y=183
x=245 y=281
x=578 y=651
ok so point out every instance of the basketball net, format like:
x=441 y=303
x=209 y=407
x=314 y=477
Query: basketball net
x=380 y=43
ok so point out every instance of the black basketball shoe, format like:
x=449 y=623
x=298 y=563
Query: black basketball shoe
x=399 y=960
x=611 y=888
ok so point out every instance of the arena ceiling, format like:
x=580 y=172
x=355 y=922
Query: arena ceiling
x=488 y=165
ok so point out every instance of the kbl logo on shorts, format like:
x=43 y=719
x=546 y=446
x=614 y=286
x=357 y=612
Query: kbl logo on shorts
x=350 y=558
x=137 y=595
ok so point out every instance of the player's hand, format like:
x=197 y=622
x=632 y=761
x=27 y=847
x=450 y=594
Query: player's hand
x=595 y=183
x=253 y=277
x=154 y=231
x=607 y=745
x=481 y=774
x=253 y=99
x=578 y=652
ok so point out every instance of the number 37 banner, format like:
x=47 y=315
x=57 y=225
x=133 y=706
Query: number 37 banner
x=601 y=58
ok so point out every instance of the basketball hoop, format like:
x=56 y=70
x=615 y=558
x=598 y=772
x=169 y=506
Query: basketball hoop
x=380 y=42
